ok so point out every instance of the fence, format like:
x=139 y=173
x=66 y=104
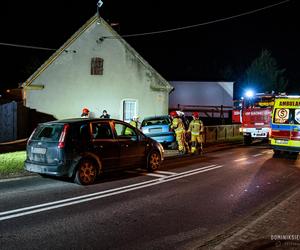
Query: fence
x=221 y=133
x=8 y=124
x=18 y=121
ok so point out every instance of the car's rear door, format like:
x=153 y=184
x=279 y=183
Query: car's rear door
x=42 y=148
x=132 y=149
x=105 y=145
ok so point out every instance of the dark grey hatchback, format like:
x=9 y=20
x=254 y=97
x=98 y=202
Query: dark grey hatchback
x=84 y=148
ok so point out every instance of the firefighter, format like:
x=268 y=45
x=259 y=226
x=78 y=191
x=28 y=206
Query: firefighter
x=179 y=129
x=196 y=130
x=85 y=113
x=135 y=121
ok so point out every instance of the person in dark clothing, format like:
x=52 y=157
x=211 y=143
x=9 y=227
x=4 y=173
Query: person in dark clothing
x=105 y=114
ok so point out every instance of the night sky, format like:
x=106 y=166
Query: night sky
x=200 y=53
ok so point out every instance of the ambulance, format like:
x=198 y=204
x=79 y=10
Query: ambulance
x=285 y=125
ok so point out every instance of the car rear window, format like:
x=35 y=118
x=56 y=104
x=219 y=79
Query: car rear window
x=50 y=132
x=156 y=121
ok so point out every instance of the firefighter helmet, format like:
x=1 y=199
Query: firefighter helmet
x=85 y=110
x=196 y=115
x=173 y=114
x=135 y=117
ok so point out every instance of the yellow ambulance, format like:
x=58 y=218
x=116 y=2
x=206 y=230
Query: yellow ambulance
x=285 y=125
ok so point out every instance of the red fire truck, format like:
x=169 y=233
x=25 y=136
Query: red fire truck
x=254 y=114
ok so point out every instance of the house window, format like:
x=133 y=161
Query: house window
x=97 y=66
x=129 y=109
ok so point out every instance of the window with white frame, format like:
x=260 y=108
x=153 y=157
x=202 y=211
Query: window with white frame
x=129 y=109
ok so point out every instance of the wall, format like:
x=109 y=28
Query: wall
x=201 y=93
x=69 y=86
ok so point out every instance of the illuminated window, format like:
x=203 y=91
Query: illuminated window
x=97 y=66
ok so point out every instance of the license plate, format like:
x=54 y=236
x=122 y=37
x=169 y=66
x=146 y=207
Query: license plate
x=281 y=141
x=38 y=151
x=155 y=130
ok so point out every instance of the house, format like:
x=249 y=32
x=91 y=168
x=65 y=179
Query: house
x=212 y=99
x=96 y=68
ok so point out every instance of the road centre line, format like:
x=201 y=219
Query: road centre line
x=154 y=175
x=85 y=198
x=257 y=155
x=165 y=172
x=99 y=193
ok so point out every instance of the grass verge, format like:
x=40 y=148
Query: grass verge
x=12 y=164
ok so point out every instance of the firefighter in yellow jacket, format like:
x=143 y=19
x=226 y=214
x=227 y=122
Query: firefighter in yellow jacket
x=196 y=129
x=179 y=129
x=135 y=121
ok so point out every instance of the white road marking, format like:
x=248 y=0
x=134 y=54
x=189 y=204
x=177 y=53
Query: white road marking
x=165 y=172
x=17 y=178
x=241 y=159
x=99 y=195
x=154 y=175
x=257 y=155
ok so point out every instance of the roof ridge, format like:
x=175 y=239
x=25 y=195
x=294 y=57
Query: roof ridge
x=80 y=31
x=59 y=51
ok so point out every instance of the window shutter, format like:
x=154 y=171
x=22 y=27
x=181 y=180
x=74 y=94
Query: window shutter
x=97 y=66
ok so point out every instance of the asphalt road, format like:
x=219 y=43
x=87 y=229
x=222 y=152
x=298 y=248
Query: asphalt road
x=182 y=206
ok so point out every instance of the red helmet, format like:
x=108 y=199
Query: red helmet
x=173 y=114
x=196 y=115
x=85 y=110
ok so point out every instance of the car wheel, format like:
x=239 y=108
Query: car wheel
x=247 y=140
x=86 y=172
x=276 y=153
x=154 y=161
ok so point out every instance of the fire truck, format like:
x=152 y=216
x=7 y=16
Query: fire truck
x=254 y=113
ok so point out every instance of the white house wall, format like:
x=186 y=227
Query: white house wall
x=69 y=86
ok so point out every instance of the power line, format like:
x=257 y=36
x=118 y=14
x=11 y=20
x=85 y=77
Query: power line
x=161 y=31
x=25 y=46
x=202 y=24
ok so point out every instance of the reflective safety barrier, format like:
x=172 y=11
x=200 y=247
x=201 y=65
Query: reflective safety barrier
x=221 y=133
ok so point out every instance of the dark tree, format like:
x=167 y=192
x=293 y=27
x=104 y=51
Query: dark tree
x=264 y=74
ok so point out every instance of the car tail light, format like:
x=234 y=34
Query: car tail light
x=270 y=132
x=62 y=138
